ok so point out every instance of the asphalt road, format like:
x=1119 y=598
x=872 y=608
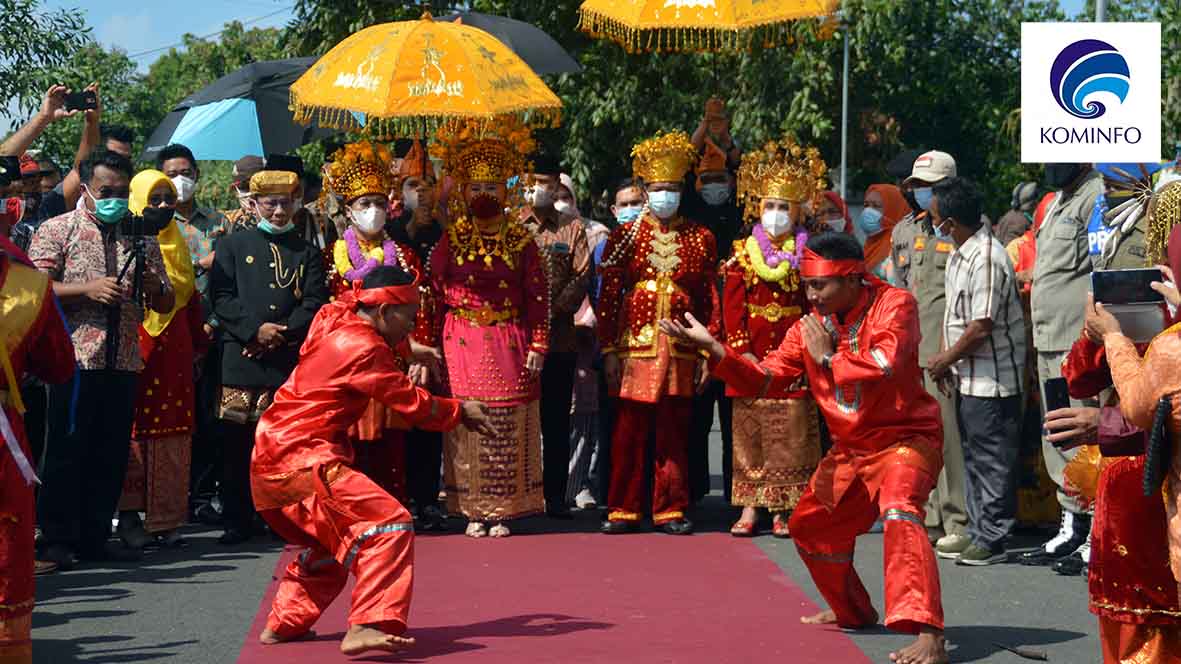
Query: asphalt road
x=195 y=606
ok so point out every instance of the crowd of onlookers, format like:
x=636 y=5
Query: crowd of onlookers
x=176 y=366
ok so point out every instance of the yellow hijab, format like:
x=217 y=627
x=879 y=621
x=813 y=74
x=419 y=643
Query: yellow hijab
x=177 y=261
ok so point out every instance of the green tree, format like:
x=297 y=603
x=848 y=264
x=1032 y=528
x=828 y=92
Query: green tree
x=33 y=39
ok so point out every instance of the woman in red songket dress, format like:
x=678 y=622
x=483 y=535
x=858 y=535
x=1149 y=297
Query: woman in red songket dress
x=776 y=434
x=301 y=470
x=360 y=175
x=157 y=480
x=492 y=292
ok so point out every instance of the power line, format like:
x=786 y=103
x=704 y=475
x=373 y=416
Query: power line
x=134 y=56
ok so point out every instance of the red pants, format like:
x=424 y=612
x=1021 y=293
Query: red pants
x=16 y=553
x=384 y=461
x=825 y=540
x=350 y=526
x=670 y=418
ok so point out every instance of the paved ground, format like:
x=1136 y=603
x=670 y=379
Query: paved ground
x=194 y=606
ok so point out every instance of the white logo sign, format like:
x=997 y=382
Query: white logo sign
x=1090 y=92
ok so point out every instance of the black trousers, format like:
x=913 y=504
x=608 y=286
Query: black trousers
x=237 y=501
x=84 y=468
x=557 y=392
x=424 y=461
x=36 y=398
x=703 y=422
x=989 y=430
x=206 y=470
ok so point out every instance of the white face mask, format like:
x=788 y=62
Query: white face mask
x=563 y=207
x=776 y=222
x=370 y=220
x=837 y=225
x=410 y=199
x=542 y=198
x=185 y=188
x=664 y=204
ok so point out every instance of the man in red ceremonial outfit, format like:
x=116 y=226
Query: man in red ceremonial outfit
x=859 y=351
x=301 y=472
x=661 y=266
x=33 y=339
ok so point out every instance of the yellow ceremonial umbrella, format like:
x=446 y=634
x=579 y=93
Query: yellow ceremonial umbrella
x=407 y=78
x=696 y=25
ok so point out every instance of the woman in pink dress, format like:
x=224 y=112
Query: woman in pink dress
x=491 y=289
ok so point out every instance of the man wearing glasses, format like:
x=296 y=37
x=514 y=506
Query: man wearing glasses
x=267 y=284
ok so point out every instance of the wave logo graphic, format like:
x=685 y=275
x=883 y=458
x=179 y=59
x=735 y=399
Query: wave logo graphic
x=1085 y=68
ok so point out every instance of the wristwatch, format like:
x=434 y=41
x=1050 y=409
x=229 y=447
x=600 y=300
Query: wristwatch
x=826 y=361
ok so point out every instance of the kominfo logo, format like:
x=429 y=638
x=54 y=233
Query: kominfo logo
x=1084 y=68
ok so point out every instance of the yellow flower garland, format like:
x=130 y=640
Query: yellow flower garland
x=766 y=273
x=340 y=255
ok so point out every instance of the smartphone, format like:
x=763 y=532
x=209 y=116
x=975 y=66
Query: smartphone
x=81 y=101
x=1057 y=396
x=1126 y=286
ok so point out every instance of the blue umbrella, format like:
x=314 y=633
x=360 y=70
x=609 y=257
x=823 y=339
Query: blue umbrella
x=244 y=112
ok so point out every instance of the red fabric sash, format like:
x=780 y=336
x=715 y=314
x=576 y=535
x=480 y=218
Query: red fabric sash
x=816 y=266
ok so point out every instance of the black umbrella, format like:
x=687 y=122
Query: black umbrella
x=541 y=52
x=243 y=112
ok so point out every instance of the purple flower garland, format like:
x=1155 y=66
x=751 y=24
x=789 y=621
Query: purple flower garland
x=772 y=256
x=366 y=264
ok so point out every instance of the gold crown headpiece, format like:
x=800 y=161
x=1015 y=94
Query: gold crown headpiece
x=780 y=169
x=359 y=169
x=474 y=151
x=666 y=157
x=1164 y=212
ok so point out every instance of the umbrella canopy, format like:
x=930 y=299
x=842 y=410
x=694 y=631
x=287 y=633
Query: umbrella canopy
x=409 y=77
x=541 y=52
x=244 y=112
x=695 y=25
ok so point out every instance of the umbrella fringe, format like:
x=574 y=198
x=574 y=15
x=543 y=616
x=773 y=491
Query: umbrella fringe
x=414 y=126
x=674 y=38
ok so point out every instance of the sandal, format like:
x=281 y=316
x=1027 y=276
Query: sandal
x=743 y=529
x=779 y=527
x=476 y=529
x=499 y=530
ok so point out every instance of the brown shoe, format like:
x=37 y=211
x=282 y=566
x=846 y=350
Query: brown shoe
x=43 y=567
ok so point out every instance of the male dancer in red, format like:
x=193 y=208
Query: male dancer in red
x=859 y=351
x=301 y=476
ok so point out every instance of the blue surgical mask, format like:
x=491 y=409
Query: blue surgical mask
x=940 y=233
x=629 y=214
x=870 y=221
x=267 y=227
x=922 y=196
x=664 y=204
x=715 y=193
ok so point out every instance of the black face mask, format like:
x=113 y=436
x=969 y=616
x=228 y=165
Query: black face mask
x=1060 y=175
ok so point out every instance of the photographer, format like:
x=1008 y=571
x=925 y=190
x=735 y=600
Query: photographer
x=90 y=258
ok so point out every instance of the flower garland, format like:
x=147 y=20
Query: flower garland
x=353 y=262
x=469 y=244
x=772 y=264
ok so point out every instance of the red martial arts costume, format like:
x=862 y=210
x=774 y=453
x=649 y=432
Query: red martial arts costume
x=662 y=270
x=887 y=451
x=306 y=490
x=33 y=340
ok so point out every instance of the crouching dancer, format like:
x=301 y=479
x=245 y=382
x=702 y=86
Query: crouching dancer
x=859 y=351
x=301 y=476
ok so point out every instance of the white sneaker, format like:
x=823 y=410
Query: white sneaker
x=950 y=547
x=585 y=501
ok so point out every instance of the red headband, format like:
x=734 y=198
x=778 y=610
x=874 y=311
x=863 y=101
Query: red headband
x=816 y=266
x=372 y=297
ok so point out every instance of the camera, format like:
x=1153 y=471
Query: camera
x=149 y=224
x=10 y=170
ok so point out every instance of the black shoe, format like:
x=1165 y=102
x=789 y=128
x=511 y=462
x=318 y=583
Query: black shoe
x=111 y=552
x=233 y=537
x=617 y=527
x=1071 y=535
x=558 y=510
x=1072 y=565
x=431 y=518
x=677 y=527
x=61 y=555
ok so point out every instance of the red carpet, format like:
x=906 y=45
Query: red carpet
x=587 y=598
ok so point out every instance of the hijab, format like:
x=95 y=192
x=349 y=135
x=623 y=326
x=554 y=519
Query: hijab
x=177 y=262
x=877 y=247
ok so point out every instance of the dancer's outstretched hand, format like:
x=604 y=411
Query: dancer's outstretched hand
x=476 y=417
x=693 y=333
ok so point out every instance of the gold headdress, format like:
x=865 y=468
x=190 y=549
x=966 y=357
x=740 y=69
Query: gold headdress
x=1164 y=212
x=666 y=157
x=274 y=182
x=478 y=152
x=359 y=169
x=780 y=169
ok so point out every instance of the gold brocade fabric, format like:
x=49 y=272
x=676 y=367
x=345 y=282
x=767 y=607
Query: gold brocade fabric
x=496 y=479
x=244 y=404
x=776 y=450
x=648 y=379
x=1124 y=643
x=157 y=481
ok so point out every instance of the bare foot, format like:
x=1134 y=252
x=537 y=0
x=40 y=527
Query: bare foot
x=928 y=648
x=269 y=638
x=363 y=638
x=829 y=617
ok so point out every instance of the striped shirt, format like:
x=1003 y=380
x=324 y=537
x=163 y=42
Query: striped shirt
x=980 y=284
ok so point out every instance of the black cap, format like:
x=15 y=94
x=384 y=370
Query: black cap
x=285 y=162
x=546 y=163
